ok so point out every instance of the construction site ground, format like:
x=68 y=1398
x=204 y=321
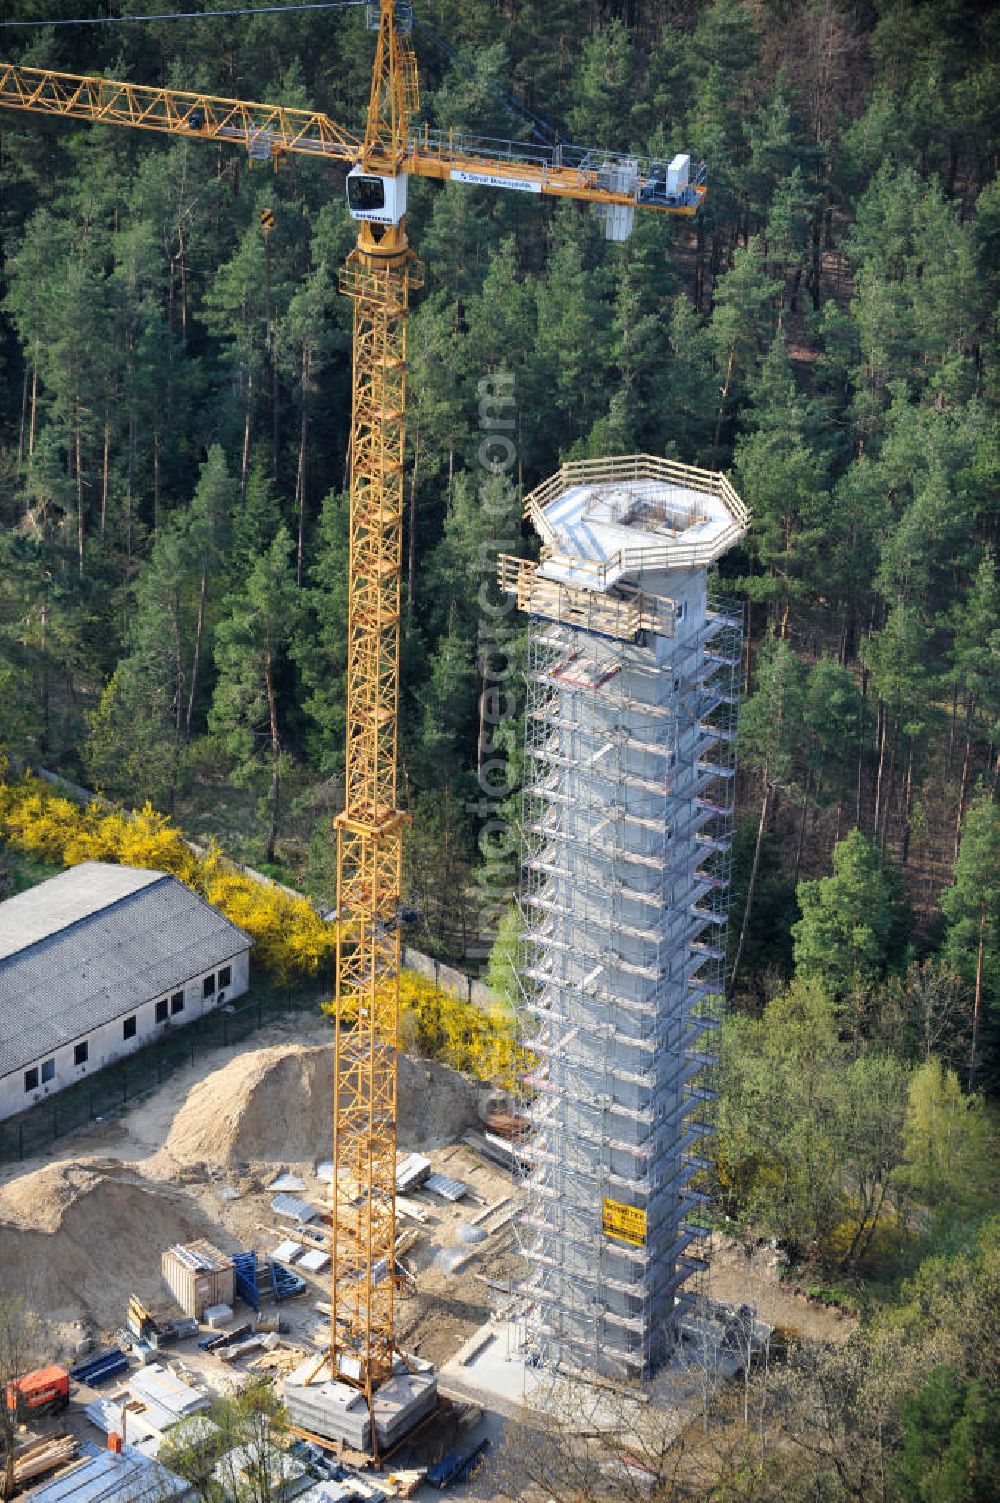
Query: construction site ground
x=84 y=1226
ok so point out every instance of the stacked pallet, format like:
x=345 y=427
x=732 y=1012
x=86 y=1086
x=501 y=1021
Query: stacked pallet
x=406 y=1483
x=41 y=1456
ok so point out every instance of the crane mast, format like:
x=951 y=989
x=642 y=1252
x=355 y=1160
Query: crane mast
x=378 y=276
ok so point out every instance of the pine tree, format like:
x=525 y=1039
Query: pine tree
x=319 y=647
x=741 y=321
x=251 y=650
x=309 y=339
x=783 y=479
x=691 y=391
x=140 y=729
x=896 y=656
x=976 y=667
x=601 y=88
x=208 y=522
x=573 y=345
x=972 y=908
x=235 y=309
x=441 y=752
x=770 y=734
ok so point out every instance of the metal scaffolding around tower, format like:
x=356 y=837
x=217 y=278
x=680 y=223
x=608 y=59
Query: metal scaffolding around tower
x=627 y=816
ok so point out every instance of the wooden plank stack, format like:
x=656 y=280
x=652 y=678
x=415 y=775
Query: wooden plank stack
x=41 y=1456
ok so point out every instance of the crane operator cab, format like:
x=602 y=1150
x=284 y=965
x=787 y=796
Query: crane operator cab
x=377 y=200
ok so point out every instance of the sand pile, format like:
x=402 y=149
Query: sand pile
x=436 y=1105
x=276 y=1106
x=76 y=1238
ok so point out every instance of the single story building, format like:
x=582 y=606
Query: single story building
x=99 y=961
x=126 y=1477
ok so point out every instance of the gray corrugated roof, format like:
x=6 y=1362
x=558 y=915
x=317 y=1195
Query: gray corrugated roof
x=66 y=899
x=107 y=964
x=107 y=1478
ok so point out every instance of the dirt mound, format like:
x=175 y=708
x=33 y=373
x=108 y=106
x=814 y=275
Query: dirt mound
x=276 y=1106
x=76 y=1238
x=436 y=1105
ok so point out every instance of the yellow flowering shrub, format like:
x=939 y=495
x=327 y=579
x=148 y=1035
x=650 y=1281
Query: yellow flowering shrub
x=476 y=1040
x=290 y=938
x=41 y=822
x=147 y=838
x=437 y=1024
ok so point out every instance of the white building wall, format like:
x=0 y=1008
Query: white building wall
x=107 y=1044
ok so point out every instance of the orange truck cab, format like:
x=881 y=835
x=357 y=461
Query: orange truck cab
x=43 y=1392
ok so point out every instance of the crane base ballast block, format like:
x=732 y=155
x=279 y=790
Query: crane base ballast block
x=339 y=1412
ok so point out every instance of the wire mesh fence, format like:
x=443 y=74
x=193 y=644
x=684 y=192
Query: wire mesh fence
x=114 y=1089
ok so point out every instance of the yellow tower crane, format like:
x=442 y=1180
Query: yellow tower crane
x=379 y=275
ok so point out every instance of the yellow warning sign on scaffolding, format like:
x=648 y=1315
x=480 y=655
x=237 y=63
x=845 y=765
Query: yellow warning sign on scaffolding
x=626 y=1222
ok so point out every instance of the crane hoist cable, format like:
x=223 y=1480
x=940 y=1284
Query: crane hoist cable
x=189 y=15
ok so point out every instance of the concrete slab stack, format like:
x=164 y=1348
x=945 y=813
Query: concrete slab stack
x=329 y=1408
x=339 y=1412
x=401 y=1403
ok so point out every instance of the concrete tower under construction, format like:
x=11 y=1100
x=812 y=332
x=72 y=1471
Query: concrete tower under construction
x=630 y=726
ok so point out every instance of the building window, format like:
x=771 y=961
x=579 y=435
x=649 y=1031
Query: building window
x=129 y=1027
x=177 y=1002
x=225 y=975
x=81 y=1053
x=161 y=1011
x=208 y=986
x=48 y=1070
x=31 y=1079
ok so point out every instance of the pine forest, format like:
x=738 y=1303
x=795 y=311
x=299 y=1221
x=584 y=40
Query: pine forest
x=175 y=400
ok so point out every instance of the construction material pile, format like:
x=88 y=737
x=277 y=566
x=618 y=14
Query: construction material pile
x=338 y=1411
x=74 y=1235
x=38 y=1457
x=78 y=1235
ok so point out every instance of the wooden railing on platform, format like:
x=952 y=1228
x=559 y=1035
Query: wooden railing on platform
x=672 y=553
x=616 y=616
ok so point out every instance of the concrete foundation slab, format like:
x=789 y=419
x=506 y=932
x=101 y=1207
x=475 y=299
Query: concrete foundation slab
x=492 y=1369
